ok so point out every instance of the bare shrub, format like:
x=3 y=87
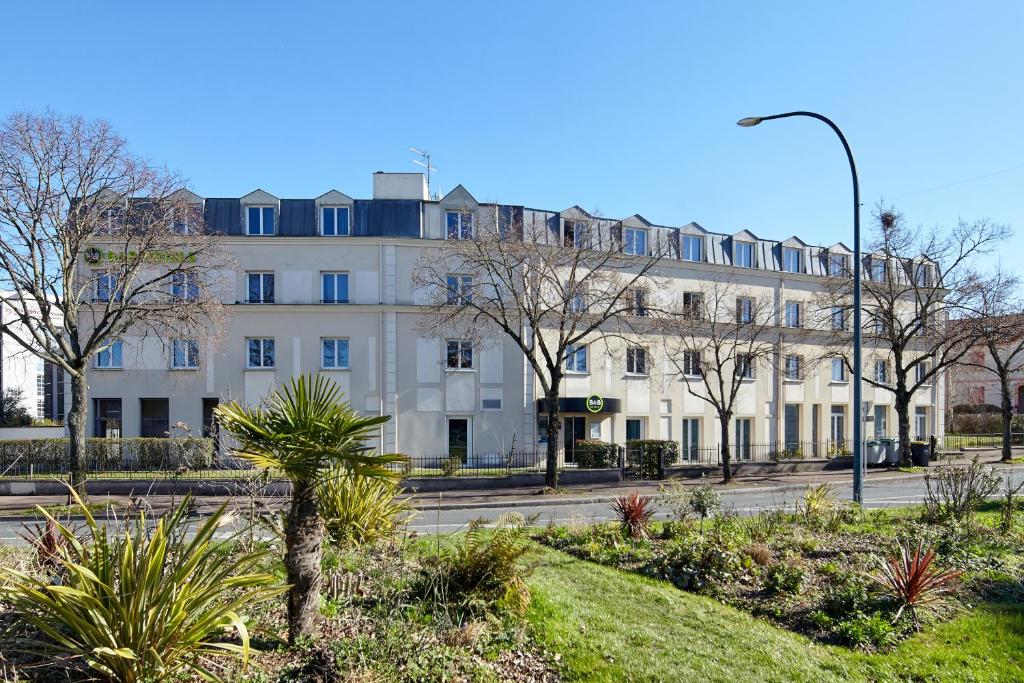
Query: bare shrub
x=954 y=492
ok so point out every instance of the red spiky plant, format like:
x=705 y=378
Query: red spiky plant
x=912 y=579
x=634 y=512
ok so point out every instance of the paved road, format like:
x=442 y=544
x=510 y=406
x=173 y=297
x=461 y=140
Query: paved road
x=880 y=493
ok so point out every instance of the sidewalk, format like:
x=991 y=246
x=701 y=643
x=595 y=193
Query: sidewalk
x=21 y=507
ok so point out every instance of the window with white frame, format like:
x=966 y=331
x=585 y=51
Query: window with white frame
x=458 y=289
x=793 y=369
x=459 y=225
x=638 y=299
x=691 y=364
x=793 y=314
x=634 y=241
x=880 y=327
x=459 y=354
x=693 y=248
x=921 y=372
x=923 y=275
x=259 y=288
x=745 y=366
x=792 y=260
x=743 y=254
x=185 y=286
x=882 y=372
x=744 y=309
x=259 y=352
x=334 y=353
x=574 y=234
x=838 y=370
x=692 y=305
x=184 y=354
x=578 y=303
x=576 y=358
x=838 y=265
x=110 y=357
x=107 y=288
x=838 y=318
x=40 y=388
x=636 y=360
x=690 y=441
x=876 y=269
x=334 y=288
x=334 y=221
x=260 y=220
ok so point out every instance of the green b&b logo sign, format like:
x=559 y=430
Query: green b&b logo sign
x=595 y=403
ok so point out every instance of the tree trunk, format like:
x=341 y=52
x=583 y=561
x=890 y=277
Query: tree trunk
x=551 y=470
x=724 y=420
x=303 y=539
x=903 y=420
x=1007 y=410
x=76 y=433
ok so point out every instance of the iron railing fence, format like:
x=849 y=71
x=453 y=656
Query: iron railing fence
x=954 y=442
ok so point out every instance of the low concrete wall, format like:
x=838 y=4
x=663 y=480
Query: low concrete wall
x=754 y=469
x=577 y=477
x=14 y=433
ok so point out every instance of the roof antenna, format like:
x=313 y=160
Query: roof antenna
x=425 y=164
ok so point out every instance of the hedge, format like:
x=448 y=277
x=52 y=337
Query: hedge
x=50 y=455
x=592 y=455
x=645 y=454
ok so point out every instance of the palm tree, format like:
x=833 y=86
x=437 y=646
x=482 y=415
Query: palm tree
x=303 y=430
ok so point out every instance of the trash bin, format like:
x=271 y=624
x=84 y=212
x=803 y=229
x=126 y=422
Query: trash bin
x=874 y=453
x=919 y=453
x=892 y=451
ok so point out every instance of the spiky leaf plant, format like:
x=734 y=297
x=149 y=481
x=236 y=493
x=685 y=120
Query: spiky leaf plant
x=912 y=579
x=634 y=513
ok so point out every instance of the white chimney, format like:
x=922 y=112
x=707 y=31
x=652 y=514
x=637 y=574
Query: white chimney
x=400 y=186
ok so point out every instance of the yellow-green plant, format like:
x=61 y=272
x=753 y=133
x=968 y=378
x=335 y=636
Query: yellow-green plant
x=303 y=431
x=360 y=510
x=138 y=604
x=818 y=500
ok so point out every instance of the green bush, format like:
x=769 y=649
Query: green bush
x=141 y=603
x=644 y=454
x=359 y=510
x=785 y=577
x=46 y=456
x=867 y=630
x=591 y=454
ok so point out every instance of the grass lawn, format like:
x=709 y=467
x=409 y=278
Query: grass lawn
x=611 y=625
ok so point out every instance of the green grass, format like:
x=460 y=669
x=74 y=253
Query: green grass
x=610 y=625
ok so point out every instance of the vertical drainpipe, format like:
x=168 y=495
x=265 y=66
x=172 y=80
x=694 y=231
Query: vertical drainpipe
x=779 y=405
x=382 y=346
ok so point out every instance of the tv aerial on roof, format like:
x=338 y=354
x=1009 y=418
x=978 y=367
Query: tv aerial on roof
x=425 y=164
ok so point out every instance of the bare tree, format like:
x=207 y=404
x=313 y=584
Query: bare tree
x=997 y=322
x=917 y=282
x=719 y=336
x=95 y=243
x=547 y=289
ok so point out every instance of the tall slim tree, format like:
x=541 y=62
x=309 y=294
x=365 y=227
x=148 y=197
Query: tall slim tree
x=916 y=283
x=96 y=243
x=547 y=289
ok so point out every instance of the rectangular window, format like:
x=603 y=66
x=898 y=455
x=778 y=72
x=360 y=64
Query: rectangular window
x=107 y=287
x=743 y=254
x=881 y=372
x=692 y=305
x=490 y=404
x=921 y=422
x=690 y=441
x=334 y=354
x=260 y=288
x=460 y=438
x=636 y=360
x=838 y=265
x=574 y=234
x=576 y=358
x=154 y=418
x=792 y=260
x=838 y=318
x=459 y=225
x=639 y=301
x=838 y=370
x=334 y=288
x=110 y=357
x=260 y=220
x=260 y=352
x=876 y=269
x=880 y=422
x=634 y=241
x=745 y=366
x=922 y=275
x=744 y=310
x=879 y=325
x=838 y=427
x=459 y=354
x=691 y=364
x=693 y=248
x=185 y=286
x=459 y=290
x=40 y=389
x=184 y=354
x=578 y=304
x=744 y=437
x=922 y=372
x=792 y=367
x=334 y=221
x=792 y=314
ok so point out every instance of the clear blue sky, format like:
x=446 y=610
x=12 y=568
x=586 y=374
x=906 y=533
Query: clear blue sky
x=620 y=107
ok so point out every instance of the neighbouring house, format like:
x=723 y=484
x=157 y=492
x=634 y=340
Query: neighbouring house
x=41 y=383
x=972 y=383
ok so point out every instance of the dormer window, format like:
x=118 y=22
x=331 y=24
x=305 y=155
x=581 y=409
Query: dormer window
x=743 y=254
x=693 y=248
x=574 y=234
x=460 y=225
x=334 y=221
x=260 y=220
x=838 y=265
x=634 y=241
x=876 y=269
x=792 y=260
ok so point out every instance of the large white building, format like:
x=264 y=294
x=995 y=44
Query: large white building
x=325 y=285
x=40 y=384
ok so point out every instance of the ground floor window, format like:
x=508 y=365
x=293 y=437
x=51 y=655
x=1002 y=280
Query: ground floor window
x=460 y=438
x=881 y=425
x=634 y=429
x=838 y=431
x=690 y=441
x=106 y=417
x=744 y=436
x=921 y=422
x=791 y=423
x=574 y=430
x=154 y=421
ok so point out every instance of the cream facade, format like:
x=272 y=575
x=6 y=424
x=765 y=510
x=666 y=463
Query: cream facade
x=325 y=285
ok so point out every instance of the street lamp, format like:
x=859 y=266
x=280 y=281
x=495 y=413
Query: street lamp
x=858 y=406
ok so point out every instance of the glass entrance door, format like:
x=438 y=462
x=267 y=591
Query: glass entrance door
x=744 y=430
x=459 y=438
x=575 y=429
x=792 y=427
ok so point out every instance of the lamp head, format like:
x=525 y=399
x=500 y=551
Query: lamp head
x=749 y=121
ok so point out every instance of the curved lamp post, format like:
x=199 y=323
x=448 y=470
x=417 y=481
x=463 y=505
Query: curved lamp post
x=858 y=406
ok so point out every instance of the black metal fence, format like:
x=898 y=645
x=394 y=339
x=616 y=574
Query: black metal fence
x=955 y=442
